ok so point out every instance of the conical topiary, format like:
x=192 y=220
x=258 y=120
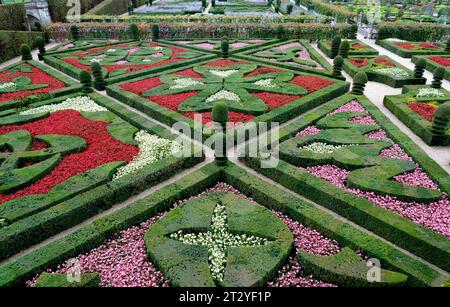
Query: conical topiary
x=225 y=47
x=439 y=75
x=133 y=31
x=155 y=32
x=99 y=82
x=353 y=31
x=86 y=82
x=447 y=46
x=220 y=115
x=420 y=68
x=335 y=44
x=25 y=52
x=40 y=43
x=280 y=32
x=338 y=65
x=359 y=83
x=344 y=49
x=440 y=123
x=75 y=32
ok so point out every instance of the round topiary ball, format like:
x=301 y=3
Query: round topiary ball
x=439 y=73
x=25 y=52
x=220 y=112
x=361 y=78
x=40 y=42
x=339 y=61
x=421 y=63
x=85 y=76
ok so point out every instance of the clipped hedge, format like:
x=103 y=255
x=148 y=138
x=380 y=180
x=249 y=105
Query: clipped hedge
x=58 y=8
x=328 y=9
x=10 y=42
x=416 y=32
x=431 y=66
x=13 y=17
x=324 y=46
x=406 y=53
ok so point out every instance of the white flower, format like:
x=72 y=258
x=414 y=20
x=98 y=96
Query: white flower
x=158 y=48
x=265 y=83
x=151 y=149
x=395 y=40
x=80 y=104
x=322 y=148
x=224 y=73
x=111 y=50
x=429 y=92
x=394 y=71
x=96 y=60
x=223 y=94
x=146 y=60
x=7 y=85
x=184 y=83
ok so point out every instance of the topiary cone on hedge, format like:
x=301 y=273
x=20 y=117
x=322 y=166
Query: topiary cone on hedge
x=86 y=82
x=353 y=31
x=220 y=115
x=40 y=43
x=439 y=75
x=420 y=68
x=225 y=47
x=440 y=123
x=75 y=32
x=155 y=32
x=335 y=44
x=99 y=82
x=280 y=32
x=338 y=64
x=25 y=52
x=133 y=31
x=447 y=46
x=359 y=83
x=344 y=49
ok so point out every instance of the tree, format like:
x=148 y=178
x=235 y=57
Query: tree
x=440 y=123
x=25 y=52
x=420 y=68
x=225 y=47
x=155 y=32
x=289 y=9
x=75 y=32
x=40 y=43
x=335 y=44
x=133 y=31
x=220 y=116
x=359 y=83
x=439 y=75
x=338 y=64
x=99 y=82
x=86 y=82
x=344 y=49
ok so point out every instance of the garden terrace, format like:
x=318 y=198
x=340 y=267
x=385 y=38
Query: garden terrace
x=416 y=109
x=356 y=48
x=381 y=69
x=433 y=62
x=270 y=92
x=277 y=225
x=408 y=49
x=338 y=156
x=68 y=158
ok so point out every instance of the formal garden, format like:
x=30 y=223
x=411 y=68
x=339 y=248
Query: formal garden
x=239 y=143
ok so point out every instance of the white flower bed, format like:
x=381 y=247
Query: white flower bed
x=184 y=83
x=80 y=104
x=394 y=72
x=223 y=73
x=265 y=83
x=151 y=149
x=429 y=92
x=111 y=50
x=217 y=240
x=223 y=94
x=7 y=85
x=322 y=148
x=96 y=60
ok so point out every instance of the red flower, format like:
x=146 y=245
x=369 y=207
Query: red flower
x=172 y=101
x=189 y=73
x=37 y=76
x=440 y=60
x=358 y=62
x=224 y=62
x=385 y=62
x=358 y=46
x=261 y=70
x=141 y=86
x=311 y=83
x=101 y=148
x=274 y=100
x=423 y=109
x=405 y=45
x=428 y=46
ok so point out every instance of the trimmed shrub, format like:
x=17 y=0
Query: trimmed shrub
x=338 y=65
x=415 y=31
x=13 y=17
x=419 y=68
x=40 y=43
x=99 y=82
x=220 y=115
x=439 y=75
x=280 y=32
x=344 y=49
x=86 y=82
x=155 y=32
x=359 y=83
x=25 y=52
x=353 y=31
x=75 y=32
x=225 y=47
x=447 y=46
x=335 y=44
x=289 y=9
x=441 y=120
x=133 y=31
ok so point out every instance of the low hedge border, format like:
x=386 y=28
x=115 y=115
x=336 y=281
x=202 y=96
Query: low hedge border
x=419 y=240
x=411 y=119
x=431 y=66
x=54 y=50
x=381 y=78
x=67 y=213
x=407 y=53
x=72 y=87
x=74 y=72
x=326 y=48
x=280 y=115
x=16 y=272
x=247 y=55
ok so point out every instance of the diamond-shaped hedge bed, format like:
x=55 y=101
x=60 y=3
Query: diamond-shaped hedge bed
x=124 y=60
x=68 y=158
x=218 y=226
x=252 y=91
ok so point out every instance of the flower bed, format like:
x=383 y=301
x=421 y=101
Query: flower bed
x=372 y=174
x=59 y=150
x=80 y=44
x=123 y=60
x=435 y=61
x=268 y=92
x=416 y=107
x=407 y=49
x=356 y=48
x=290 y=54
x=25 y=82
x=381 y=69
x=145 y=241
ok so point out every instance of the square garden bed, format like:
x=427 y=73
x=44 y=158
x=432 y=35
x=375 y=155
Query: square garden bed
x=407 y=49
x=433 y=62
x=356 y=48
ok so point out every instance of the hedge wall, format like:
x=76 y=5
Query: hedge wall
x=13 y=17
x=328 y=9
x=10 y=42
x=58 y=8
x=417 y=32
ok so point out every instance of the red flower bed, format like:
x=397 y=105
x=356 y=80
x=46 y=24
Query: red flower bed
x=358 y=46
x=311 y=83
x=423 y=109
x=358 y=62
x=189 y=73
x=224 y=62
x=428 y=46
x=76 y=63
x=233 y=117
x=405 y=45
x=101 y=148
x=385 y=62
x=274 y=100
x=260 y=71
x=139 y=87
x=172 y=101
x=37 y=77
x=440 y=60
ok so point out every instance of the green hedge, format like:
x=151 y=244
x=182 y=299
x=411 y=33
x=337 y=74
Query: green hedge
x=10 y=42
x=16 y=272
x=110 y=7
x=13 y=17
x=431 y=66
x=405 y=53
x=58 y=8
x=416 y=32
x=419 y=240
x=324 y=46
x=328 y=9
